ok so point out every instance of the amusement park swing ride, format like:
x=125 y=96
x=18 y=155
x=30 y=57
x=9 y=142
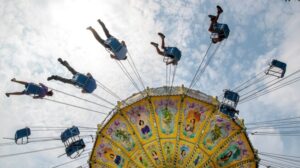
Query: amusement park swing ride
x=169 y=126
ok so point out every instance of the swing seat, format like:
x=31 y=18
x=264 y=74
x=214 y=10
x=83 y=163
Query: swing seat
x=75 y=149
x=21 y=135
x=32 y=88
x=277 y=68
x=172 y=52
x=228 y=110
x=69 y=133
x=114 y=44
x=221 y=30
x=231 y=98
x=83 y=81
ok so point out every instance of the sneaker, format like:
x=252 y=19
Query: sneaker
x=89 y=28
x=60 y=60
x=154 y=44
x=99 y=21
x=7 y=94
x=13 y=79
x=220 y=10
x=161 y=35
x=50 y=78
x=212 y=17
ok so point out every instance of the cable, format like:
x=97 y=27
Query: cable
x=287 y=159
x=68 y=94
x=101 y=98
x=207 y=63
x=108 y=90
x=128 y=75
x=167 y=76
x=173 y=77
x=34 y=151
x=282 y=119
x=255 y=82
x=260 y=90
x=81 y=157
x=199 y=67
x=72 y=105
x=263 y=86
x=279 y=155
x=254 y=77
x=133 y=66
x=275 y=88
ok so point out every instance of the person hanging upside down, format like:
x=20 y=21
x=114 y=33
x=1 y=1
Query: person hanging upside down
x=118 y=49
x=86 y=82
x=219 y=31
x=171 y=52
x=37 y=90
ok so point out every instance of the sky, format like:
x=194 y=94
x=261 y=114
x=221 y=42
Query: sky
x=34 y=33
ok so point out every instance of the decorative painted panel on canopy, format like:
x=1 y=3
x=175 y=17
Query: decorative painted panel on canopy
x=163 y=128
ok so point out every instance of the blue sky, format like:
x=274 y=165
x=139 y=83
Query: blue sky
x=34 y=33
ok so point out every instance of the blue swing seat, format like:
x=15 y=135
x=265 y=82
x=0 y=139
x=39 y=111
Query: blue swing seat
x=22 y=134
x=85 y=82
x=32 y=88
x=75 y=147
x=230 y=98
x=228 y=110
x=69 y=133
x=220 y=31
x=114 y=44
x=229 y=103
x=277 y=68
x=172 y=52
x=233 y=96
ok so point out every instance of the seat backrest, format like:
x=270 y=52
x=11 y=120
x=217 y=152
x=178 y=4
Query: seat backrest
x=278 y=64
x=232 y=96
x=175 y=52
x=226 y=30
x=80 y=79
x=33 y=88
x=21 y=133
x=228 y=110
x=114 y=44
x=68 y=133
x=75 y=147
x=221 y=30
x=90 y=85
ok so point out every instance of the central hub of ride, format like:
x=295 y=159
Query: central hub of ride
x=171 y=127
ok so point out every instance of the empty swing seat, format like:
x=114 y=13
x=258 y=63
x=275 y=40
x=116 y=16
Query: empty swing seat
x=114 y=44
x=228 y=110
x=69 y=133
x=75 y=147
x=22 y=135
x=277 y=68
x=231 y=98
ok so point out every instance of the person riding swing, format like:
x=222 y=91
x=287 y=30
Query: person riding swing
x=170 y=52
x=118 y=49
x=37 y=90
x=86 y=82
x=220 y=31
